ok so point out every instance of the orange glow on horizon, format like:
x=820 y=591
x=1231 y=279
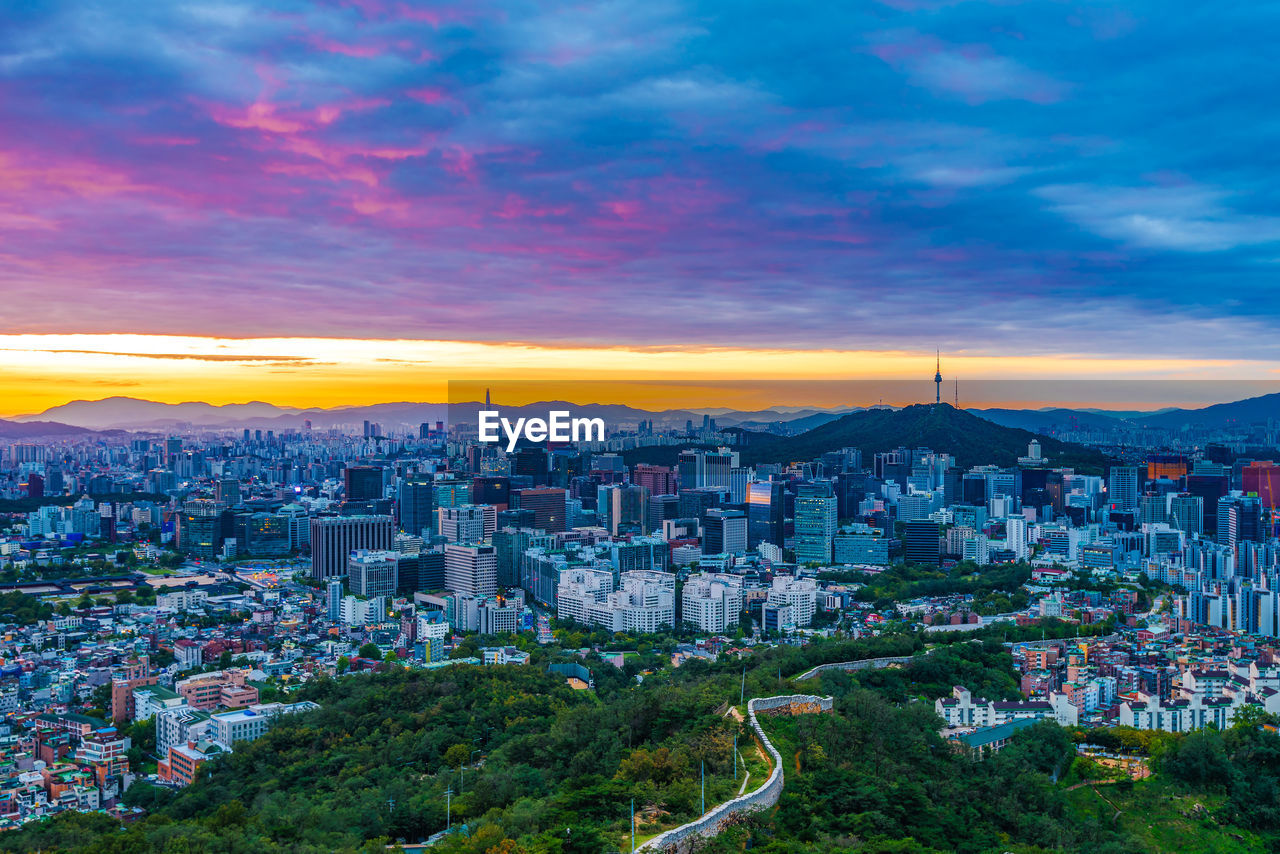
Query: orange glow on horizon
x=41 y=371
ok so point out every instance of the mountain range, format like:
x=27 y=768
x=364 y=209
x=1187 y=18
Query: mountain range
x=135 y=414
x=1253 y=410
x=127 y=413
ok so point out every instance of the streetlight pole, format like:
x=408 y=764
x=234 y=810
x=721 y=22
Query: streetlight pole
x=633 y=826
x=448 y=808
x=704 y=787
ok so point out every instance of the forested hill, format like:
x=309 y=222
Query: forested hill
x=942 y=427
x=534 y=767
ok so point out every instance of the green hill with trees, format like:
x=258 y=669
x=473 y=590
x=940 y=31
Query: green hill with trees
x=942 y=427
x=526 y=765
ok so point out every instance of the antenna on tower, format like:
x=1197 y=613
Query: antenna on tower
x=957 y=393
x=937 y=378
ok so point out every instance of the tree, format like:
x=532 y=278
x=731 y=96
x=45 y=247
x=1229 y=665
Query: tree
x=371 y=650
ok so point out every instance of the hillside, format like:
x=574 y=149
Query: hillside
x=15 y=430
x=972 y=440
x=1253 y=410
x=1045 y=420
x=558 y=770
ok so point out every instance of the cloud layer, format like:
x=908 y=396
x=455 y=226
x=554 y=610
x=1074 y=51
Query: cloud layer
x=1031 y=178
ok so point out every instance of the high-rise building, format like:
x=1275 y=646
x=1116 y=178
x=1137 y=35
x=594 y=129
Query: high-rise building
x=712 y=602
x=200 y=532
x=1262 y=478
x=363 y=483
x=815 y=522
x=492 y=490
x=1186 y=513
x=724 y=532
x=470 y=568
x=700 y=468
x=659 y=480
x=372 y=573
x=765 y=508
x=414 y=501
x=1239 y=519
x=333 y=599
x=921 y=543
x=628 y=509
x=335 y=537
x=1016 y=537
x=465 y=524
x=548 y=506
x=1123 y=487
x=662 y=508
x=227 y=491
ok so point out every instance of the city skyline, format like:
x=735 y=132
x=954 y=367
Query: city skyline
x=638 y=188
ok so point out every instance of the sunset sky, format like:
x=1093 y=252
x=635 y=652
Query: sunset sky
x=324 y=203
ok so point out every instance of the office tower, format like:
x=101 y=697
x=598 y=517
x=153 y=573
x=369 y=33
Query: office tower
x=662 y=508
x=1239 y=519
x=333 y=599
x=1262 y=478
x=492 y=490
x=510 y=543
x=700 y=468
x=740 y=479
x=35 y=486
x=628 y=509
x=533 y=463
x=200 y=530
x=515 y=518
x=450 y=493
x=815 y=522
x=363 y=483
x=724 y=532
x=548 y=506
x=1209 y=487
x=1153 y=509
x=470 y=568
x=372 y=573
x=423 y=571
x=1186 y=513
x=465 y=524
x=335 y=537
x=659 y=480
x=227 y=491
x=765 y=520
x=1123 y=488
x=921 y=543
x=694 y=503
x=607 y=462
x=414 y=502
x=1171 y=466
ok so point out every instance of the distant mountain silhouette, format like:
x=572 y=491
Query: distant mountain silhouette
x=972 y=440
x=20 y=431
x=130 y=413
x=1041 y=420
x=1253 y=410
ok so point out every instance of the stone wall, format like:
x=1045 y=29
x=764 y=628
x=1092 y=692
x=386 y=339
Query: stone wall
x=681 y=839
x=861 y=664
